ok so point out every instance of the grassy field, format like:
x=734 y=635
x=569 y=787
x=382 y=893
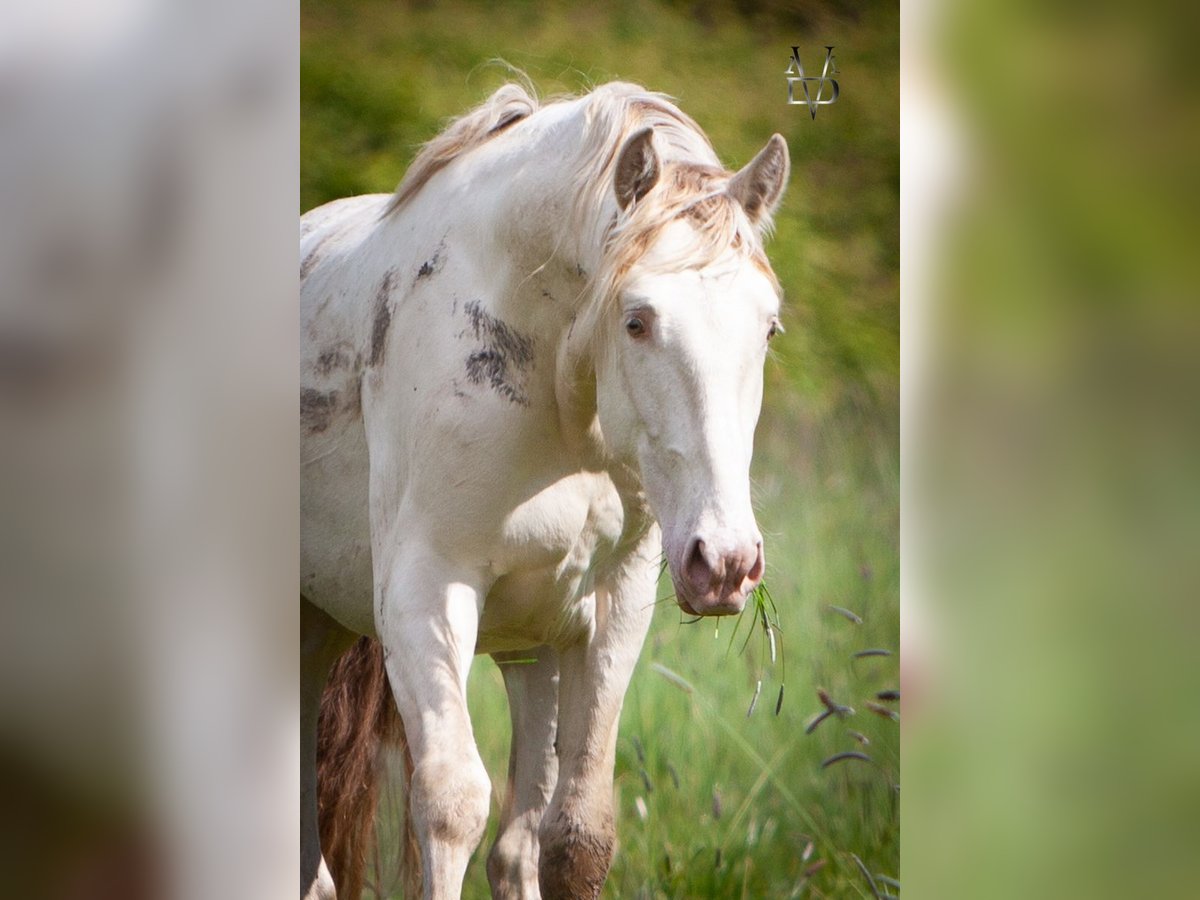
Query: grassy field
x=711 y=802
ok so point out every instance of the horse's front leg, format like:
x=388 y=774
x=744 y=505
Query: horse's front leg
x=532 y=770
x=427 y=616
x=577 y=833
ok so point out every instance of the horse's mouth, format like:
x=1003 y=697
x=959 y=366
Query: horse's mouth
x=716 y=583
x=729 y=606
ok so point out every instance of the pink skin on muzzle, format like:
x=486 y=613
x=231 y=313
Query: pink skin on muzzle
x=714 y=580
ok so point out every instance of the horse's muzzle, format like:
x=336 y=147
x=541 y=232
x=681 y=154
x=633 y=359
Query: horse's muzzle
x=716 y=582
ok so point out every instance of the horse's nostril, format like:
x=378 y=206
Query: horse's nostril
x=756 y=571
x=699 y=572
x=716 y=577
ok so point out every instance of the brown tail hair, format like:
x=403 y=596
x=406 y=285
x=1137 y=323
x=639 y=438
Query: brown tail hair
x=358 y=721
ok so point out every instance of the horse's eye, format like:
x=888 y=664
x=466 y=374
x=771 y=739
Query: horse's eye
x=776 y=328
x=635 y=327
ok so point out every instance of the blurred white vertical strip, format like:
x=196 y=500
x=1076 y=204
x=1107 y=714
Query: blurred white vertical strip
x=1056 y=437
x=148 y=473
x=932 y=170
x=224 y=652
x=932 y=166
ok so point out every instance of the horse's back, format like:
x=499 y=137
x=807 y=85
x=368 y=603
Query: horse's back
x=335 y=550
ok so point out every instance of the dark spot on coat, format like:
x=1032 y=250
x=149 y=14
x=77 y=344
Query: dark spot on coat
x=352 y=405
x=488 y=366
x=383 y=317
x=434 y=264
x=317 y=409
x=309 y=261
x=503 y=360
x=331 y=359
x=314 y=255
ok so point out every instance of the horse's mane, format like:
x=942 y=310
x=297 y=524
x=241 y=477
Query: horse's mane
x=691 y=186
x=506 y=106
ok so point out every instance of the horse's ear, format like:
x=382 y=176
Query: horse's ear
x=759 y=186
x=637 y=168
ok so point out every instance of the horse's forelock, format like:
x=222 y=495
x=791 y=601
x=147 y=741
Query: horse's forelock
x=696 y=195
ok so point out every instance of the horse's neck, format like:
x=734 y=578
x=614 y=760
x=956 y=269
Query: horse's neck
x=539 y=249
x=551 y=228
x=516 y=201
x=529 y=194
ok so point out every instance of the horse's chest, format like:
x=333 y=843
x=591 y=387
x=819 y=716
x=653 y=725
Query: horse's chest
x=554 y=548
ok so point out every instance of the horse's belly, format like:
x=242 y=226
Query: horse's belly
x=534 y=608
x=335 y=531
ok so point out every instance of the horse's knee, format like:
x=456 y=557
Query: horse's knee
x=575 y=857
x=450 y=800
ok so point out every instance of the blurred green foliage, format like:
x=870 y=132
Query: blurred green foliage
x=730 y=802
x=1054 y=750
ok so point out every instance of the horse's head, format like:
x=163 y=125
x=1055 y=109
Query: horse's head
x=680 y=379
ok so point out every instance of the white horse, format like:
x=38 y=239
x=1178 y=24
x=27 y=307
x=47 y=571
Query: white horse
x=544 y=348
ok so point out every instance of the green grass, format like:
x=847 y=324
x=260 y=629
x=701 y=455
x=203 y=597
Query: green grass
x=731 y=802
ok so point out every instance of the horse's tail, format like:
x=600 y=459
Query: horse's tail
x=358 y=722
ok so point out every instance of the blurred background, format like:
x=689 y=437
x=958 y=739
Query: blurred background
x=148 y=449
x=1051 y=488
x=710 y=802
